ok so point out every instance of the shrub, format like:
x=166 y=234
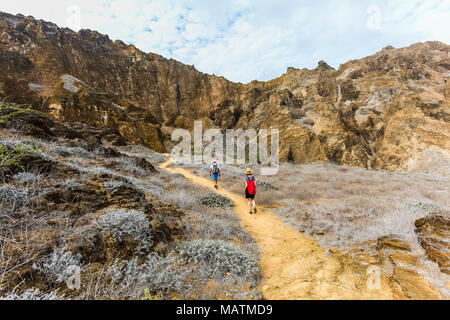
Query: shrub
x=79 y=166
x=129 y=166
x=115 y=185
x=122 y=222
x=32 y=294
x=183 y=199
x=26 y=177
x=160 y=274
x=214 y=200
x=54 y=266
x=264 y=185
x=10 y=195
x=70 y=184
x=222 y=225
x=220 y=257
x=157 y=274
x=14 y=154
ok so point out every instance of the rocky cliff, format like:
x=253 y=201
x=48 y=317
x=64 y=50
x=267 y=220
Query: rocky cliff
x=389 y=110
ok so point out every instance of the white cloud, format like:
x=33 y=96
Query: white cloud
x=248 y=39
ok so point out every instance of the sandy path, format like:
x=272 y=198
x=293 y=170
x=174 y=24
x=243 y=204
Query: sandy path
x=294 y=266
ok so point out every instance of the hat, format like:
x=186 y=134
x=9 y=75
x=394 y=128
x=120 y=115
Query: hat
x=248 y=171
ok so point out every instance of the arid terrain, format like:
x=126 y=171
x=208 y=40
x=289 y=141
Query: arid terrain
x=359 y=208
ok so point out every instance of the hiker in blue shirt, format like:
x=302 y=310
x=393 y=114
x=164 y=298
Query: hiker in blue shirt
x=214 y=173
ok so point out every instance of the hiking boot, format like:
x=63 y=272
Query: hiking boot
x=250 y=212
x=216 y=186
x=254 y=211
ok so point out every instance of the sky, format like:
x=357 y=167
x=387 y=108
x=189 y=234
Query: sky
x=245 y=40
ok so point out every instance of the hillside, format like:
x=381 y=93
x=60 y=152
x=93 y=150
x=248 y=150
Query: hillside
x=389 y=110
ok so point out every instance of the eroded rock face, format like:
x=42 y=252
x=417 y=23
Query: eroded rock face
x=389 y=110
x=433 y=234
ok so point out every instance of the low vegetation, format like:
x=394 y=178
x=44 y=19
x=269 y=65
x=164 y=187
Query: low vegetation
x=121 y=223
x=54 y=266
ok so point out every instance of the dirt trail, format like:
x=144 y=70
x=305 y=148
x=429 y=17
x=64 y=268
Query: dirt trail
x=296 y=267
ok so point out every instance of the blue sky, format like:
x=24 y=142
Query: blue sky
x=245 y=40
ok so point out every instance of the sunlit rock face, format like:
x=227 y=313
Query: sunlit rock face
x=389 y=110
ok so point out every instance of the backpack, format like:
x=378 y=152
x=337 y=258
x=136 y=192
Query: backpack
x=215 y=169
x=251 y=186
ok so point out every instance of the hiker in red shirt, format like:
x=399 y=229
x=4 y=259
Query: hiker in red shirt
x=250 y=190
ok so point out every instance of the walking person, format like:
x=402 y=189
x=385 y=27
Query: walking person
x=214 y=173
x=250 y=190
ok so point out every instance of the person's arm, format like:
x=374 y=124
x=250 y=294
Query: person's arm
x=210 y=172
x=219 y=171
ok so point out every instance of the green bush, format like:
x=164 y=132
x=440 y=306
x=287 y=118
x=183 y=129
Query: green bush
x=13 y=156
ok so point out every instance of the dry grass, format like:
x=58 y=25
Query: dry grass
x=349 y=204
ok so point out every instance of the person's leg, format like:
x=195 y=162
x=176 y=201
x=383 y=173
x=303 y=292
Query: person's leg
x=254 y=205
x=250 y=205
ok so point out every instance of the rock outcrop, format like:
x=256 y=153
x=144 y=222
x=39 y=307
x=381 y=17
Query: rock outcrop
x=432 y=232
x=389 y=110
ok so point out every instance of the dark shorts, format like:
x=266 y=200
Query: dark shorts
x=248 y=196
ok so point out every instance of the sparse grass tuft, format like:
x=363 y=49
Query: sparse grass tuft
x=114 y=186
x=13 y=155
x=264 y=185
x=70 y=184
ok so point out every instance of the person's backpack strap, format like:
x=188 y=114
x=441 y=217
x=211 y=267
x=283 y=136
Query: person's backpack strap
x=251 y=185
